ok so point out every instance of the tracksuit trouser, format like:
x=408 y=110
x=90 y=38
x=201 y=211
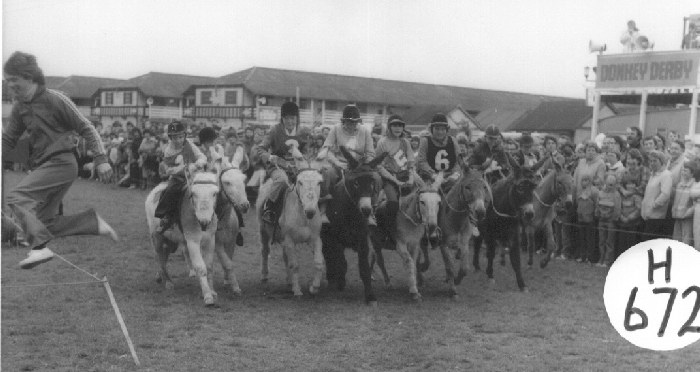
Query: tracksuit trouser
x=36 y=199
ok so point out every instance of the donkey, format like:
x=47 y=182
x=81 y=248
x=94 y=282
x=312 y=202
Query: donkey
x=468 y=196
x=348 y=209
x=511 y=202
x=198 y=225
x=417 y=217
x=233 y=195
x=299 y=224
x=557 y=185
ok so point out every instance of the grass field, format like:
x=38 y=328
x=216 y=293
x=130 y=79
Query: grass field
x=561 y=324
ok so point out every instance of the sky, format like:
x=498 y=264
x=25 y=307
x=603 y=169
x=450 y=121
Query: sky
x=533 y=46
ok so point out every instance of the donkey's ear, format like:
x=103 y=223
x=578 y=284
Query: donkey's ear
x=237 y=158
x=352 y=162
x=376 y=161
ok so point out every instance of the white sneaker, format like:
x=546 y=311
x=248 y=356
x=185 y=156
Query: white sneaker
x=103 y=228
x=36 y=257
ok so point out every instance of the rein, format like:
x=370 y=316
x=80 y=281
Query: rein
x=493 y=206
x=420 y=216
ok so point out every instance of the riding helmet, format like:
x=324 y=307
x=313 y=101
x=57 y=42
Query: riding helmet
x=351 y=113
x=492 y=131
x=176 y=128
x=439 y=119
x=290 y=108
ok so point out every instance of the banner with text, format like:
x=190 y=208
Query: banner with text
x=653 y=69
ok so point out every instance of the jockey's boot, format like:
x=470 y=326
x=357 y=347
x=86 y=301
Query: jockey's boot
x=36 y=257
x=268 y=212
x=239 y=239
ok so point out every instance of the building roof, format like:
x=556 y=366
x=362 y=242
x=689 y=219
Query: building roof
x=159 y=84
x=501 y=118
x=81 y=86
x=554 y=116
x=278 y=82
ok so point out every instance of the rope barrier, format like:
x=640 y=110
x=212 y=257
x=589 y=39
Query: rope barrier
x=613 y=229
x=108 y=289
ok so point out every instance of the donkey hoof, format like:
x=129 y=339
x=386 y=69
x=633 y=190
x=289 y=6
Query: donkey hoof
x=416 y=297
x=209 y=301
x=298 y=296
x=525 y=290
x=214 y=294
x=543 y=264
x=237 y=292
x=372 y=304
x=454 y=296
x=169 y=285
x=313 y=290
x=492 y=282
x=264 y=280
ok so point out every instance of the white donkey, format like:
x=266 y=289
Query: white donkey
x=195 y=231
x=299 y=224
x=232 y=195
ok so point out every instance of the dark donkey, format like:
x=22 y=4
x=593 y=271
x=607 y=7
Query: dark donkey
x=556 y=186
x=511 y=202
x=347 y=212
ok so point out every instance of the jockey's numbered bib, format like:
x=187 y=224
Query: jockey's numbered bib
x=401 y=159
x=441 y=158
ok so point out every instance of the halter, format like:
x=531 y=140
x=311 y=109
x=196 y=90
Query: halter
x=296 y=189
x=461 y=198
x=493 y=206
x=420 y=215
x=554 y=193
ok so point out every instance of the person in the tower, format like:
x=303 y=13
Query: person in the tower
x=178 y=154
x=274 y=151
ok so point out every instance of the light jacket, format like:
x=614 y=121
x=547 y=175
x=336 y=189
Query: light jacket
x=657 y=195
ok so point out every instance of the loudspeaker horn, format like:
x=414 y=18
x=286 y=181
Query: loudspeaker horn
x=596 y=47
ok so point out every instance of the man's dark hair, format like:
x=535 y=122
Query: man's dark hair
x=24 y=65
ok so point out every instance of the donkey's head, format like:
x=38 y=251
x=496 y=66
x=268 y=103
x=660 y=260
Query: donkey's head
x=232 y=180
x=308 y=190
x=204 y=188
x=360 y=180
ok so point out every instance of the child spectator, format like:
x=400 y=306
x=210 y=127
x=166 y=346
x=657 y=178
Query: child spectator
x=630 y=214
x=607 y=211
x=683 y=210
x=586 y=201
x=612 y=160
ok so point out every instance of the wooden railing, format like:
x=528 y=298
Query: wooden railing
x=242 y=112
x=165 y=112
x=119 y=111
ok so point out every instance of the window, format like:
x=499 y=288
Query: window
x=205 y=97
x=127 y=98
x=362 y=106
x=231 y=97
x=331 y=105
x=109 y=98
x=304 y=104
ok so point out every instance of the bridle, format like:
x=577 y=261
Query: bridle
x=510 y=200
x=462 y=199
x=296 y=189
x=419 y=215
